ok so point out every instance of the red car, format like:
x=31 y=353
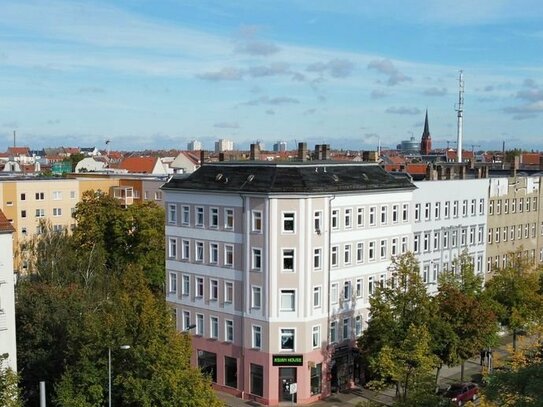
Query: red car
x=461 y=393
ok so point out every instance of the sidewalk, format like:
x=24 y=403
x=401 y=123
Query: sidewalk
x=448 y=375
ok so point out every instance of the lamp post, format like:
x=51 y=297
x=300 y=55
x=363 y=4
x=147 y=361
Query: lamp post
x=124 y=347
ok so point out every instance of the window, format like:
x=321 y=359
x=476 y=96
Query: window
x=454 y=236
x=214 y=327
x=437 y=238
x=346 y=327
x=465 y=207
x=416 y=243
x=455 y=209
x=335 y=222
x=373 y=209
x=360 y=217
x=317 y=297
x=158 y=195
x=317 y=255
x=57 y=195
x=228 y=255
x=213 y=290
x=316 y=336
x=199 y=251
x=463 y=235
x=172 y=213
x=256 y=297
x=186 y=285
x=498 y=207
x=427 y=210
x=229 y=219
x=186 y=320
x=383 y=249
x=360 y=252
x=287 y=339
x=228 y=292
x=472 y=235
x=288 y=300
x=521 y=205
x=371 y=250
x=405 y=212
x=257 y=337
x=370 y=286
x=346 y=290
x=23 y=196
x=347 y=254
x=333 y=255
x=316 y=379
x=359 y=288
x=257 y=380
x=213 y=253
x=473 y=207
x=425 y=273
x=200 y=324
x=40 y=196
x=347 y=218
x=256 y=259
x=404 y=244
x=288 y=260
x=57 y=211
x=288 y=222
x=199 y=287
x=185 y=255
x=214 y=218
x=173 y=283
x=185 y=220
x=437 y=210
x=172 y=247
x=317 y=222
x=40 y=213
x=358 y=325
x=534 y=203
x=513 y=205
x=256 y=221
x=334 y=294
x=23 y=213
x=384 y=214
x=482 y=206
x=199 y=216
x=417 y=212
x=480 y=234
x=447 y=210
x=333 y=331
x=395 y=209
x=228 y=330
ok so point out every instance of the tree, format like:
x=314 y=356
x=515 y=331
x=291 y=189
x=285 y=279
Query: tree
x=9 y=391
x=515 y=293
x=75 y=158
x=126 y=235
x=401 y=305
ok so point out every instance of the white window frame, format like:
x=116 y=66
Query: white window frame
x=172 y=247
x=229 y=218
x=288 y=217
x=282 y=332
x=172 y=283
x=317 y=296
x=256 y=297
x=213 y=289
x=287 y=253
x=185 y=289
x=348 y=218
x=229 y=255
x=256 y=221
x=256 y=259
x=185 y=215
x=256 y=337
x=172 y=213
x=228 y=292
x=199 y=216
x=199 y=287
x=229 y=330
x=214 y=218
x=291 y=293
x=214 y=327
x=316 y=336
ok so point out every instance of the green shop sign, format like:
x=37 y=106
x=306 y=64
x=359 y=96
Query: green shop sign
x=288 y=360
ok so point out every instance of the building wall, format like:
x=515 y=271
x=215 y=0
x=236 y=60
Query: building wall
x=8 y=342
x=514 y=220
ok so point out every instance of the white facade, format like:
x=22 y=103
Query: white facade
x=224 y=145
x=8 y=344
x=194 y=145
x=90 y=164
x=449 y=216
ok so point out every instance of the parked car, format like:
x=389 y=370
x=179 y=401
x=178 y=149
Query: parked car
x=461 y=393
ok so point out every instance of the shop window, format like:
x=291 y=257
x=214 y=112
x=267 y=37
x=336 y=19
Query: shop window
x=257 y=380
x=207 y=362
x=231 y=372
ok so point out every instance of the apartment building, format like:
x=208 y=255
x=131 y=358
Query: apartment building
x=8 y=344
x=449 y=217
x=270 y=268
x=514 y=220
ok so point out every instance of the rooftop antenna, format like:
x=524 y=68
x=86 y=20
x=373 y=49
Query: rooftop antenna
x=14 y=139
x=460 y=114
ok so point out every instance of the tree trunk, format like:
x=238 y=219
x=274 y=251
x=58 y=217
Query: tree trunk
x=438 y=372
x=462 y=370
x=515 y=340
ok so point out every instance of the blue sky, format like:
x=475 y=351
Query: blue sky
x=156 y=74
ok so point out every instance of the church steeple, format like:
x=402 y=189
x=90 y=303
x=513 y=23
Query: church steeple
x=426 y=141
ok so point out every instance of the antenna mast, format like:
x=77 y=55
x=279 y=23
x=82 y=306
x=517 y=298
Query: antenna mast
x=460 y=115
x=14 y=139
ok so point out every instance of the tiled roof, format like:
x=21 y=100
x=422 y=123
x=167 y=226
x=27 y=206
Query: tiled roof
x=276 y=177
x=141 y=165
x=530 y=158
x=5 y=225
x=19 y=150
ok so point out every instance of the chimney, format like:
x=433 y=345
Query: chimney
x=254 y=152
x=325 y=149
x=317 y=152
x=202 y=157
x=302 y=151
x=221 y=156
x=430 y=172
x=439 y=169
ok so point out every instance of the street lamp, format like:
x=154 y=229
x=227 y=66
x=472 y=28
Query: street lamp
x=124 y=347
x=189 y=327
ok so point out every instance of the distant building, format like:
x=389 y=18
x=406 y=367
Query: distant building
x=224 y=145
x=194 y=145
x=426 y=141
x=409 y=147
x=8 y=344
x=280 y=146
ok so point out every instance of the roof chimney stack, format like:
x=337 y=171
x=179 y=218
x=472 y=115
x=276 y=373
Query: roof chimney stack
x=255 y=151
x=302 y=151
x=202 y=157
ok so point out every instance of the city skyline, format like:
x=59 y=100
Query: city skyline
x=152 y=75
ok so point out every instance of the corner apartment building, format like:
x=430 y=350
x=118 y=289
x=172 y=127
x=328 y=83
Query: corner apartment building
x=271 y=266
x=514 y=220
x=8 y=344
x=449 y=216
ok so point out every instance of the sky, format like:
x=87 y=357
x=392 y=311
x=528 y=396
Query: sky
x=155 y=74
